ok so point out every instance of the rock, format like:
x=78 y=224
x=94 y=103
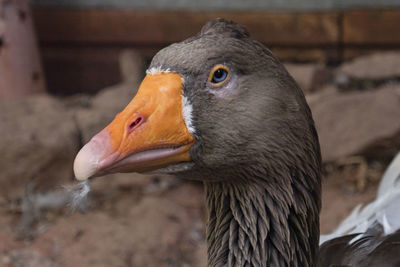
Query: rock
x=369 y=72
x=30 y=258
x=357 y=122
x=201 y=256
x=309 y=76
x=39 y=140
x=376 y=66
x=131 y=66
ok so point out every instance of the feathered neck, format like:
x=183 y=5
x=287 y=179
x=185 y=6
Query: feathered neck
x=263 y=222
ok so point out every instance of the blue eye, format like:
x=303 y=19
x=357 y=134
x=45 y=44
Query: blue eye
x=219 y=75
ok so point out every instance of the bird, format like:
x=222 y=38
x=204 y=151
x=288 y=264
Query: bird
x=220 y=108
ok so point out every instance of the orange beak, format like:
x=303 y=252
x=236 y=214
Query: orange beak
x=150 y=133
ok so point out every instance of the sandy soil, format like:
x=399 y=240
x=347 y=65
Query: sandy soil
x=140 y=221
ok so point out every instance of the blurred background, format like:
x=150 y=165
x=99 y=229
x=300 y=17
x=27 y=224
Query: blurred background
x=68 y=66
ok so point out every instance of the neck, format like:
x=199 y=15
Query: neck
x=262 y=224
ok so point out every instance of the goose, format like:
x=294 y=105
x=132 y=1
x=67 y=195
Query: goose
x=220 y=108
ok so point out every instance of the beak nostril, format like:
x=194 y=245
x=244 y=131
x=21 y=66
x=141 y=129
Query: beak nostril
x=135 y=123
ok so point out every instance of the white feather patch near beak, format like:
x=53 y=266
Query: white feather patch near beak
x=187 y=110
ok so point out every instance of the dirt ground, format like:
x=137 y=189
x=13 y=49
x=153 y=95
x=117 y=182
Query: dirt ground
x=140 y=221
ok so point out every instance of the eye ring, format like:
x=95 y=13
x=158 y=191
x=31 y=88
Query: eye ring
x=218 y=75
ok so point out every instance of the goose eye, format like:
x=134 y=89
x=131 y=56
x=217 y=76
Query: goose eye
x=218 y=75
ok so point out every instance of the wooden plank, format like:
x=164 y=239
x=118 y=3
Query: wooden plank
x=371 y=27
x=139 y=27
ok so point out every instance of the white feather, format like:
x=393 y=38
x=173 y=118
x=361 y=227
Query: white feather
x=78 y=194
x=391 y=176
x=157 y=70
x=187 y=110
x=384 y=209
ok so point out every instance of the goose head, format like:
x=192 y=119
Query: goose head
x=213 y=108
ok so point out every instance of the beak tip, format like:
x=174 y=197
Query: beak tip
x=83 y=167
x=88 y=160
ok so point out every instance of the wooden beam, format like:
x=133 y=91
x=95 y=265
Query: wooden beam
x=139 y=27
x=21 y=73
x=81 y=47
x=371 y=27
